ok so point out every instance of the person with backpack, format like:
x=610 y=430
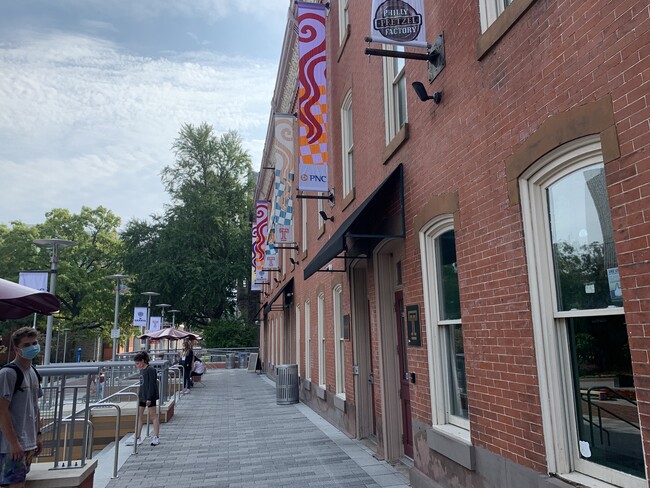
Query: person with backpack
x=20 y=419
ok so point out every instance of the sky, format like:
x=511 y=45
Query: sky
x=94 y=92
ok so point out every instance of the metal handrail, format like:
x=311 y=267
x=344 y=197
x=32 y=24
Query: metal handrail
x=123 y=392
x=600 y=407
x=118 y=418
x=171 y=372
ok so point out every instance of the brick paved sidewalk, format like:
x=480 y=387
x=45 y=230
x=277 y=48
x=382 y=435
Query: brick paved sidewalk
x=233 y=434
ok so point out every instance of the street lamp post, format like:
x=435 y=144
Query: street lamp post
x=148 y=294
x=163 y=306
x=55 y=244
x=115 y=333
x=65 y=342
x=174 y=312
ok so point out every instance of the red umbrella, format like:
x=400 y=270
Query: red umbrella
x=18 y=301
x=171 y=334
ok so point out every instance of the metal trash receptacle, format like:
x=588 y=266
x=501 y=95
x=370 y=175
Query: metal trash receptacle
x=230 y=360
x=286 y=384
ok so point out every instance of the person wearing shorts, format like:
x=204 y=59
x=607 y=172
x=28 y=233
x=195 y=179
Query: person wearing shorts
x=147 y=396
x=20 y=422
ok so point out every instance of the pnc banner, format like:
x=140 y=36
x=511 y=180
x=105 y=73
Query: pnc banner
x=312 y=97
x=398 y=22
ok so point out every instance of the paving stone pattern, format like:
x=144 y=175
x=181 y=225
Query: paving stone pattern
x=232 y=434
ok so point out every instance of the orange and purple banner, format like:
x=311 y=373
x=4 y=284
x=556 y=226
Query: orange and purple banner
x=260 y=233
x=312 y=97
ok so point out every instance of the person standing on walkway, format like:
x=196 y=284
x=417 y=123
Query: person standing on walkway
x=20 y=419
x=187 y=361
x=147 y=396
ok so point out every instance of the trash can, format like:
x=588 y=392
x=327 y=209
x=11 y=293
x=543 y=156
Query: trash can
x=230 y=360
x=286 y=384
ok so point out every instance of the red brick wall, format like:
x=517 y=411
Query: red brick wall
x=558 y=55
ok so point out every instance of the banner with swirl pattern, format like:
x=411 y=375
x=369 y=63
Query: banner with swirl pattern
x=312 y=97
x=260 y=233
x=282 y=227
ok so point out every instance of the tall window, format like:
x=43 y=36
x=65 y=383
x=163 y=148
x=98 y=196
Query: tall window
x=322 y=378
x=394 y=93
x=344 y=18
x=347 y=145
x=442 y=308
x=578 y=318
x=303 y=205
x=298 y=334
x=307 y=340
x=339 y=343
x=490 y=10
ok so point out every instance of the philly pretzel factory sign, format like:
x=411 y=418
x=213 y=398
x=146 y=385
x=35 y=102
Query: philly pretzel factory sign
x=398 y=22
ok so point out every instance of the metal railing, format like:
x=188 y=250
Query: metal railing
x=67 y=402
x=59 y=407
x=601 y=408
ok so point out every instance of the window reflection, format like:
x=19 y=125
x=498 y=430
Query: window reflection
x=582 y=236
x=608 y=419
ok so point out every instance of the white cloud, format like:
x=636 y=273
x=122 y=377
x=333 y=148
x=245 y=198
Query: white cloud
x=211 y=10
x=84 y=123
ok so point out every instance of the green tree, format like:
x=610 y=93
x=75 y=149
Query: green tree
x=197 y=253
x=86 y=295
x=227 y=333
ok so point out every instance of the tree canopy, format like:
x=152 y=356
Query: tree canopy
x=197 y=253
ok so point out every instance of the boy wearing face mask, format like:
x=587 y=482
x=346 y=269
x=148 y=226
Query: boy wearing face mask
x=20 y=420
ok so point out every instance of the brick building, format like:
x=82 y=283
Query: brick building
x=477 y=307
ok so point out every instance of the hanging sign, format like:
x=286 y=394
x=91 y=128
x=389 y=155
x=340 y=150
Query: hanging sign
x=140 y=316
x=398 y=22
x=283 y=153
x=312 y=97
x=33 y=279
x=155 y=323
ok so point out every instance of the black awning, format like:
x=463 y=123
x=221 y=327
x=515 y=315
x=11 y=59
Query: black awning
x=286 y=289
x=380 y=216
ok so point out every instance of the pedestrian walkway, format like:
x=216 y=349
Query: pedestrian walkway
x=232 y=434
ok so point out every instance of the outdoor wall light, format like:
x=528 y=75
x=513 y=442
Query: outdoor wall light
x=324 y=216
x=422 y=94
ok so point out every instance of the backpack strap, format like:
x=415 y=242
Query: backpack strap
x=20 y=377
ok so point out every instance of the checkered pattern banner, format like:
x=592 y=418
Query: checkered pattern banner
x=282 y=226
x=312 y=97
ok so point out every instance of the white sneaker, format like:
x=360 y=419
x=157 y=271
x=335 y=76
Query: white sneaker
x=155 y=441
x=140 y=440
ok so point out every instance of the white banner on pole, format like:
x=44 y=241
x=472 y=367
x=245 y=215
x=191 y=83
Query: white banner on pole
x=155 y=323
x=33 y=279
x=140 y=316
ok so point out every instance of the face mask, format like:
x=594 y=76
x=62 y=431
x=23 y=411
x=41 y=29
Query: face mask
x=30 y=352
